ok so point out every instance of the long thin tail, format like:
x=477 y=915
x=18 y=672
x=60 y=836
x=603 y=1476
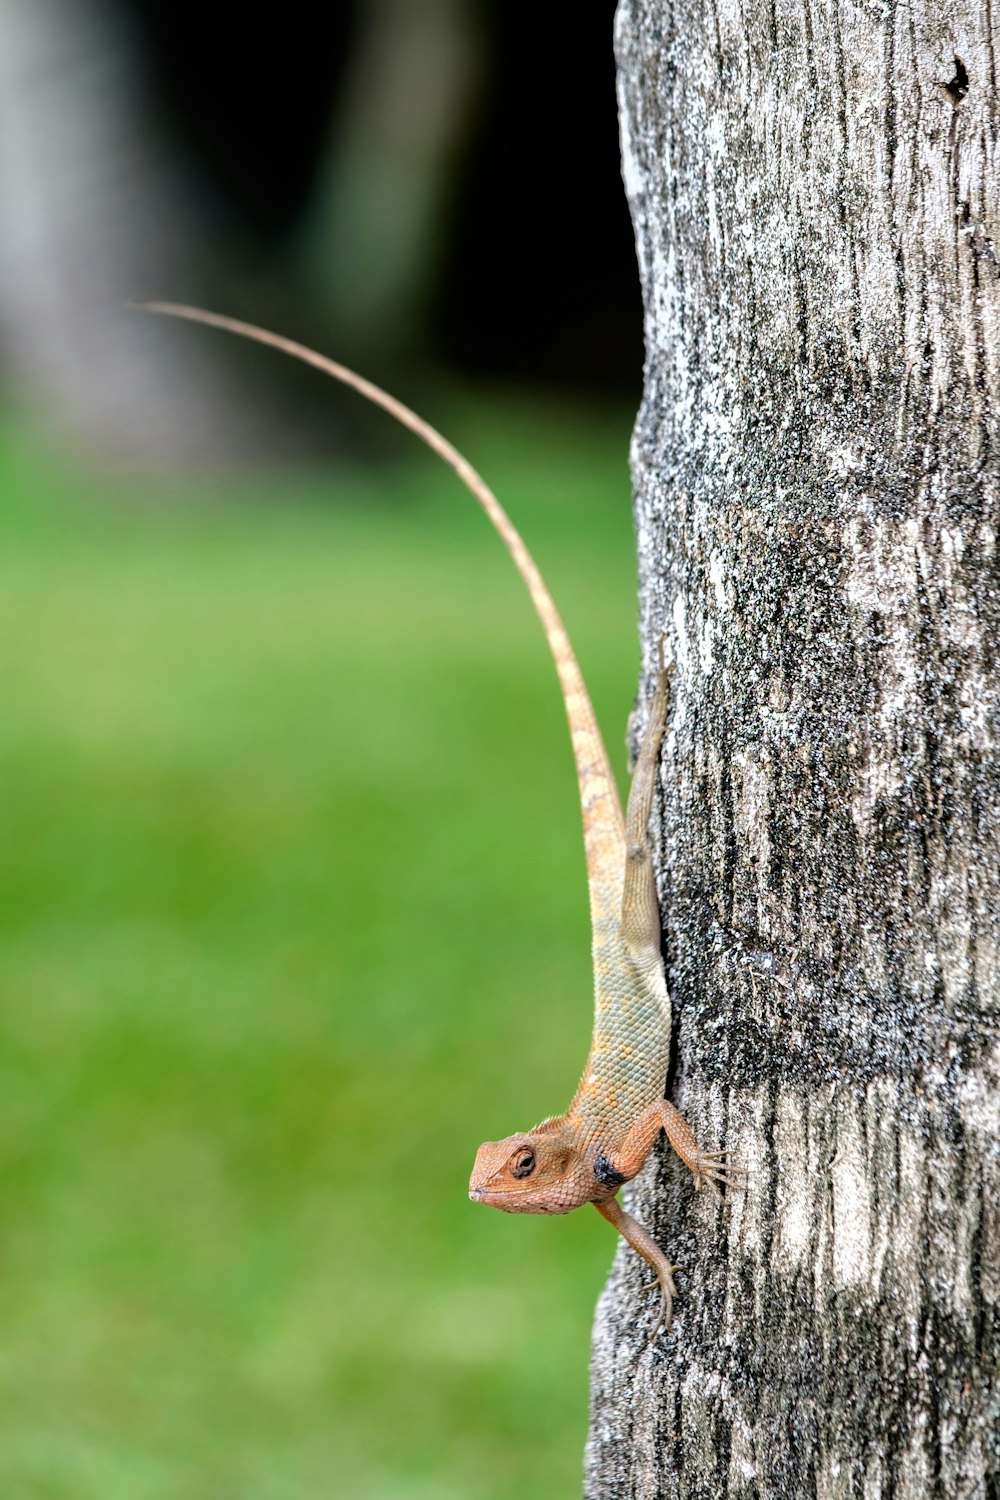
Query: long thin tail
x=603 y=823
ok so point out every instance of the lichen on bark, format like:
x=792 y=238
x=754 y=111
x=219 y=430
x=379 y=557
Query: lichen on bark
x=816 y=194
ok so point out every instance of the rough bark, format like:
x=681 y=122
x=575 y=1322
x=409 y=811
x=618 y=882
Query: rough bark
x=815 y=191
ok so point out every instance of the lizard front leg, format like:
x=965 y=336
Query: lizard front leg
x=705 y=1166
x=643 y=1244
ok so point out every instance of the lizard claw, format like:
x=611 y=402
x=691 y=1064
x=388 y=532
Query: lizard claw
x=665 y=1282
x=708 y=1168
x=713 y=1169
x=643 y=1244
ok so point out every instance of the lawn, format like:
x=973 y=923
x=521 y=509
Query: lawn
x=293 y=916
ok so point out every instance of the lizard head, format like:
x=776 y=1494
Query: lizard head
x=536 y=1172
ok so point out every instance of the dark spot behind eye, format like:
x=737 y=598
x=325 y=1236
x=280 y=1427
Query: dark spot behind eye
x=607 y=1173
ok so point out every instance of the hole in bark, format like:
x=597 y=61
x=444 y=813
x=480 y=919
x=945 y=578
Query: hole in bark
x=959 y=85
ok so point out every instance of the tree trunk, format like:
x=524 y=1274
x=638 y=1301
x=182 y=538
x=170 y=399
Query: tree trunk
x=815 y=194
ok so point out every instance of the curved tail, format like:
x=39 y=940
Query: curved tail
x=603 y=823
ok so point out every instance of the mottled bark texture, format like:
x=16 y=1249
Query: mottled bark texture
x=816 y=198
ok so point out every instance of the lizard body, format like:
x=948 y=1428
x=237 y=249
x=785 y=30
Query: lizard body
x=609 y=1129
x=611 y=1125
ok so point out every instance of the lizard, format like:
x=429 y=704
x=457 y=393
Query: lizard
x=603 y=1139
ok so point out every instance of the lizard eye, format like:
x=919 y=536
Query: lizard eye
x=524 y=1164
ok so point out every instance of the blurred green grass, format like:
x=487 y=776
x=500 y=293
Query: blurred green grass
x=293 y=916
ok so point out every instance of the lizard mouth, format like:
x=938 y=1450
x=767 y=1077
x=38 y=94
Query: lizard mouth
x=495 y=1197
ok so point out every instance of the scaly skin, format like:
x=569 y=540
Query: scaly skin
x=604 y=1138
x=608 y=1131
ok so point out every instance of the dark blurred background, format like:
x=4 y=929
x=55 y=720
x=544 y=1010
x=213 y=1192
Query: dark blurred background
x=292 y=900
x=431 y=185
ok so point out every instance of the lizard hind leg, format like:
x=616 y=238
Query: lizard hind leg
x=640 y=918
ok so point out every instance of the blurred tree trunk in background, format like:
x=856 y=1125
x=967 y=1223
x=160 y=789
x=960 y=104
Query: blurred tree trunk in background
x=364 y=175
x=97 y=209
x=373 y=237
x=815 y=192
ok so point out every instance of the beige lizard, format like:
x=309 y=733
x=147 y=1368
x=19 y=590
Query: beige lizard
x=606 y=1134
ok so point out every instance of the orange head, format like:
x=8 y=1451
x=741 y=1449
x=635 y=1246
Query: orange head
x=538 y=1172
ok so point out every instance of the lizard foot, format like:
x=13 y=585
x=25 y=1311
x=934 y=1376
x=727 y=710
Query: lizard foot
x=713 y=1169
x=708 y=1168
x=665 y=1281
